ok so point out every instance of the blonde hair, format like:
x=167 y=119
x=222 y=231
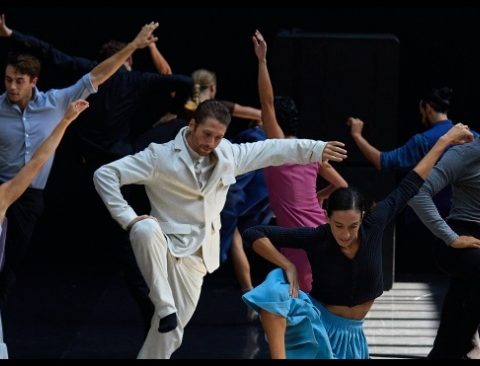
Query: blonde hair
x=202 y=79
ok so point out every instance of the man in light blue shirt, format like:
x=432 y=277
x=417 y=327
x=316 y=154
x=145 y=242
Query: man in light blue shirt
x=27 y=117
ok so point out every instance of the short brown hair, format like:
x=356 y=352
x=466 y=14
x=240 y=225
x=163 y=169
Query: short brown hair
x=24 y=64
x=214 y=109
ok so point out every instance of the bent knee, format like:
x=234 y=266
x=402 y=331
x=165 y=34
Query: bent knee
x=145 y=230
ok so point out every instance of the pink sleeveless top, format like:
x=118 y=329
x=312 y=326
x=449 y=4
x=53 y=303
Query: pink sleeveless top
x=292 y=190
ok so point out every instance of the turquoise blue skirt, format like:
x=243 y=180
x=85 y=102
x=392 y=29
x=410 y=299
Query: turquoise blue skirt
x=312 y=331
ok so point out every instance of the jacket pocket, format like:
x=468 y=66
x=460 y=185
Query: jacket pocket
x=175 y=228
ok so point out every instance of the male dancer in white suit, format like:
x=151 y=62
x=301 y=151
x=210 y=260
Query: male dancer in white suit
x=186 y=181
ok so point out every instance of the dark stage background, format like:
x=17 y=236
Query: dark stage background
x=435 y=46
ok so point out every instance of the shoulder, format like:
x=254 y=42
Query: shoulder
x=437 y=130
x=161 y=149
x=470 y=150
x=225 y=144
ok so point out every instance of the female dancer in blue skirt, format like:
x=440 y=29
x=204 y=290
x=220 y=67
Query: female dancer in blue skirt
x=346 y=259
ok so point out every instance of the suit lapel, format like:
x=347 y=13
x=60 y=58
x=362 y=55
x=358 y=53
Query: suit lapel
x=218 y=171
x=183 y=154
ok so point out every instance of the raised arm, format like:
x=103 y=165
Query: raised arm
x=77 y=66
x=333 y=149
x=12 y=189
x=159 y=61
x=4 y=30
x=108 y=67
x=270 y=125
x=371 y=153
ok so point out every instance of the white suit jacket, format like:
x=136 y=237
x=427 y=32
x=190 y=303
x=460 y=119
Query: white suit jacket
x=188 y=215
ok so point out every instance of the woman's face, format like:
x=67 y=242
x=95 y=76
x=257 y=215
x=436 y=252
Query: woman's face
x=345 y=225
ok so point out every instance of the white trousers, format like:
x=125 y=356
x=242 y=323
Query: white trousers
x=175 y=285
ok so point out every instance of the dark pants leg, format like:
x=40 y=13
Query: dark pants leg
x=22 y=216
x=460 y=317
x=135 y=282
x=117 y=243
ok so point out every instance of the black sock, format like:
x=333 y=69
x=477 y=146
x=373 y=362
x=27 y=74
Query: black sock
x=167 y=323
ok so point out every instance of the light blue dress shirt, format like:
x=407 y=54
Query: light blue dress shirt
x=21 y=133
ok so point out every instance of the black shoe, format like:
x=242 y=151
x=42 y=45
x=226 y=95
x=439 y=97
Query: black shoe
x=167 y=323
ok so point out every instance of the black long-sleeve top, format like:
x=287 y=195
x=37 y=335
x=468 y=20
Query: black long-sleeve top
x=337 y=279
x=127 y=104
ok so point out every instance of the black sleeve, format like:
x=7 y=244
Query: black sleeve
x=78 y=66
x=386 y=209
x=302 y=237
x=163 y=84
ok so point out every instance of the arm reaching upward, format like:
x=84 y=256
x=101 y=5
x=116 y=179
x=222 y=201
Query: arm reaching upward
x=333 y=150
x=159 y=61
x=14 y=188
x=107 y=68
x=71 y=65
x=265 y=90
x=4 y=30
x=371 y=153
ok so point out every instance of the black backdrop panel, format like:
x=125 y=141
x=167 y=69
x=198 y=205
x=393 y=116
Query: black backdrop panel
x=332 y=77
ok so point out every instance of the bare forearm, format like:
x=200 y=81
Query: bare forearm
x=107 y=68
x=245 y=112
x=264 y=84
x=159 y=61
x=265 y=90
x=371 y=153
x=15 y=187
x=264 y=248
x=48 y=146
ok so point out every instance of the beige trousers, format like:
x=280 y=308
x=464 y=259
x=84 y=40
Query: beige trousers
x=175 y=285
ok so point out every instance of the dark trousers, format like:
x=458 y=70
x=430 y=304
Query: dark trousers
x=22 y=216
x=460 y=316
x=116 y=241
x=112 y=235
